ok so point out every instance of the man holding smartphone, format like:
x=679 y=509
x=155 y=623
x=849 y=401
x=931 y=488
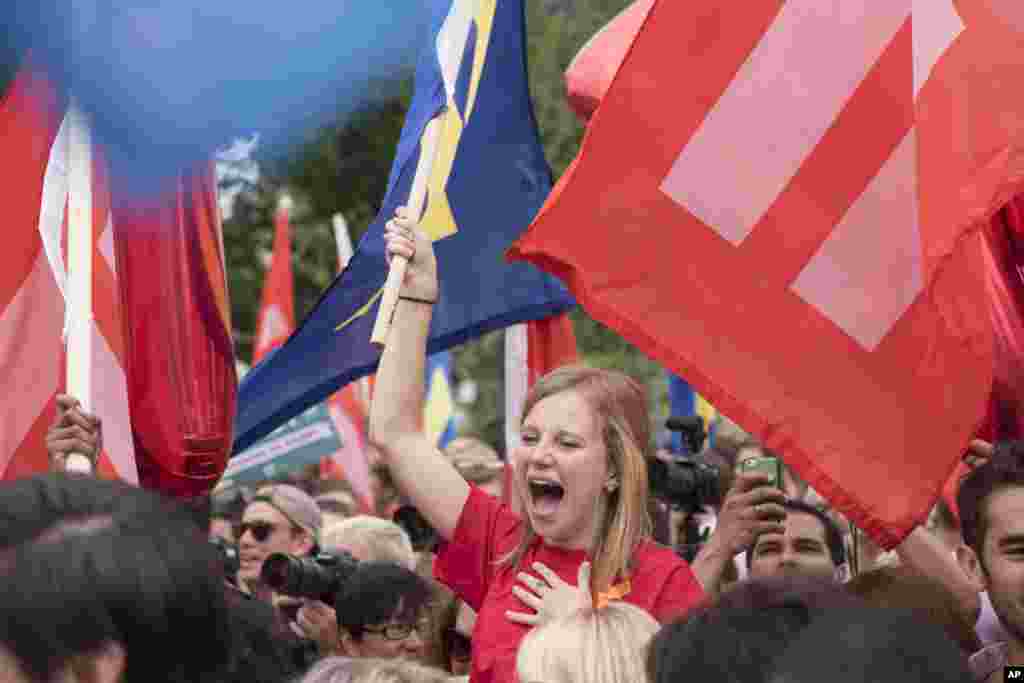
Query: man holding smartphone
x=777 y=534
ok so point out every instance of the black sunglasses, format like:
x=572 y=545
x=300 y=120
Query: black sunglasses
x=261 y=531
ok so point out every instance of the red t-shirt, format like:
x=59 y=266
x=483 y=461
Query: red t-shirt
x=661 y=582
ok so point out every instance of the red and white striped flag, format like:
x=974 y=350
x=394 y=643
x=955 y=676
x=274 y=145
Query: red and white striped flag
x=350 y=407
x=34 y=134
x=793 y=225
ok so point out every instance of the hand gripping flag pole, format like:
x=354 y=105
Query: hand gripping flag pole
x=417 y=196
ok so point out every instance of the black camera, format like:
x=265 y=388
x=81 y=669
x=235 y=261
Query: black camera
x=686 y=481
x=319 y=577
x=228 y=553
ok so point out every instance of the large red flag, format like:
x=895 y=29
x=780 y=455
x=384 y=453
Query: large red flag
x=182 y=382
x=799 y=237
x=276 y=319
x=34 y=134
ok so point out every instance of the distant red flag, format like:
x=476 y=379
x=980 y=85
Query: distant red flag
x=276 y=319
x=34 y=137
x=182 y=382
x=798 y=238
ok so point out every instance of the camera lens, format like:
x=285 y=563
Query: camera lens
x=276 y=570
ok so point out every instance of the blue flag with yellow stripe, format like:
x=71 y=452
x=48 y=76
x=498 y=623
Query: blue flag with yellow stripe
x=488 y=181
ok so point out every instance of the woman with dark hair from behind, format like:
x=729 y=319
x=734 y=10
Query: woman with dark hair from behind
x=871 y=644
x=738 y=637
x=104 y=582
x=900 y=587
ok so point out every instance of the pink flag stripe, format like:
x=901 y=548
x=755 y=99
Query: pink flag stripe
x=869 y=270
x=30 y=355
x=110 y=403
x=777 y=109
x=936 y=25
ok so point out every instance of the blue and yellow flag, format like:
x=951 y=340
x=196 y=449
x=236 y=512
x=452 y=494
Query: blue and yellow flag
x=685 y=402
x=487 y=182
x=439 y=408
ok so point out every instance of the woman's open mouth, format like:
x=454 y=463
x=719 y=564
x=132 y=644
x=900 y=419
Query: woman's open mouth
x=545 y=496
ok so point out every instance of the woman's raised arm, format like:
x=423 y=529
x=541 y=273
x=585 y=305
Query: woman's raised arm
x=421 y=472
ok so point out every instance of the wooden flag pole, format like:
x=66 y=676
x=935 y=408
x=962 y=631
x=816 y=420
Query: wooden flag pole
x=79 y=287
x=417 y=195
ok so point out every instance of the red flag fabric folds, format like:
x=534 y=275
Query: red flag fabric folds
x=799 y=238
x=1004 y=259
x=182 y=382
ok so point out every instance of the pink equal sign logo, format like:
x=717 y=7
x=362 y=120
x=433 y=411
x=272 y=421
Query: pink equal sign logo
x=869 y=270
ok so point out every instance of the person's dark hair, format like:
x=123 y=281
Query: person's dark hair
x=85 y=562
x=375 y=592
x=833 y=536
x=1004 y=469
x=229 y=504
x=263 y=651
x=903 y=588
x=739 y=636
x=871 y=644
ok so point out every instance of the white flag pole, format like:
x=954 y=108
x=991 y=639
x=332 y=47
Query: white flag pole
x=417 y=196
x=342 y=240
x=79 y=290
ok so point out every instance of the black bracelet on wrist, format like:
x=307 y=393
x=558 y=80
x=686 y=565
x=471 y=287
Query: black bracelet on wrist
x=429 y=302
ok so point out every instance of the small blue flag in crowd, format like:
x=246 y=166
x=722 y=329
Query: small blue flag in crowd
x=486 y=184
x=685 y=402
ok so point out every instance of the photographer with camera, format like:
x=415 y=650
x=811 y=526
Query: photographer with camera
x=279 y=519
x=282 y=520
x=307 y=588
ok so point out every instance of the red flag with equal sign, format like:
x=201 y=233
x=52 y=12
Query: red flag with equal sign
x=798 y=236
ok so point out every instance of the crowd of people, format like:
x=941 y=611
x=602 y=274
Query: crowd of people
x=563 y=571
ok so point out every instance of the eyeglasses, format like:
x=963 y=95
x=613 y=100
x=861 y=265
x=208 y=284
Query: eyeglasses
x=261 y=531
x=399 y=631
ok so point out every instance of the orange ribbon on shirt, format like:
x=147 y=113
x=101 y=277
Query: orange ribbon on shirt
x=616 y=592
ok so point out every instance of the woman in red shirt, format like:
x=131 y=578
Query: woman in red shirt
x=580 y=472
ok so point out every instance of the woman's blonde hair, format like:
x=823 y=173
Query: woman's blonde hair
x=620 y=405
x=346 y=670
x=605 y=645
